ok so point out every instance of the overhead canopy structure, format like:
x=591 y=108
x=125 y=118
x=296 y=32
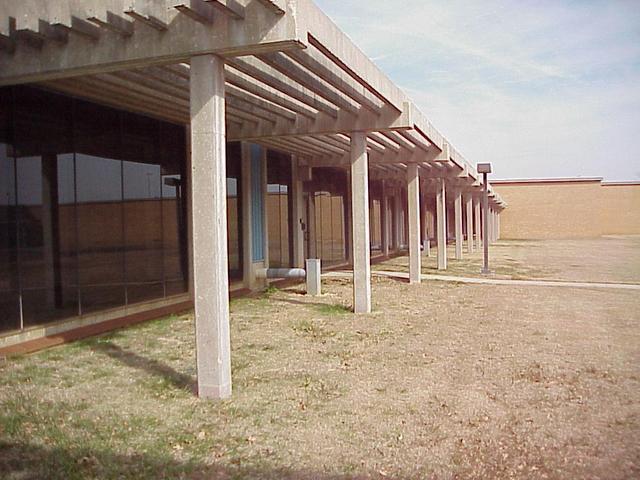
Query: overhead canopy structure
x=272 y=73
x=293 y=80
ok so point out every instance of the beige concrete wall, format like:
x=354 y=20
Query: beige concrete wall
x=620 y=209
x=568 y=209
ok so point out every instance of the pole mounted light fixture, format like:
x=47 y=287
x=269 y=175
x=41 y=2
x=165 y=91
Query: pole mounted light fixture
x=485 y=170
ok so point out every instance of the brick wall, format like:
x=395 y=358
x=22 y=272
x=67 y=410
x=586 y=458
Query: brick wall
x=568 y=209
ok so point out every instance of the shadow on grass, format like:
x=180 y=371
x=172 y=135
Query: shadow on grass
x=153 y=367
x=31 y=461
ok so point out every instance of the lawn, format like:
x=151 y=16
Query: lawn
x=606 y=259
x=442 y=380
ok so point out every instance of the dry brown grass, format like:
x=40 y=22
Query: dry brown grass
x=441 y=381
x=606 y=259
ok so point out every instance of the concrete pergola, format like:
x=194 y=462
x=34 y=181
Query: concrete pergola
x=274 y=73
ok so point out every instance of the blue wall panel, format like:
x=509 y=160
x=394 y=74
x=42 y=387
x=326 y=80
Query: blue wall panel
x=257 y=207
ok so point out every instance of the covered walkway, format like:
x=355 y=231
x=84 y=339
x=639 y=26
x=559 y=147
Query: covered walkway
x=274 y=76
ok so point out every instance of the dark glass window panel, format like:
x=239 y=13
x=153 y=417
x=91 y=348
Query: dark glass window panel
x=143 y=231
x=42 y=122
x=174 y=224
x=279 y=209
x=46 y=305
x=234 y=210
x=9 y=306
x=100 y=232
x=97 y=139
x=142 y=187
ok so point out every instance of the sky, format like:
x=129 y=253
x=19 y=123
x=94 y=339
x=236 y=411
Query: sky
x=546 y=88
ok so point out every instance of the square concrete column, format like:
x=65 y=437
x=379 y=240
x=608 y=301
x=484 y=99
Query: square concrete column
x=458 y=223
x=499 y=226
x=468 y=201
x=248 y=276
x=423 y=219
x=384 y=220
x=360 y=223
x=478 y=228
x=441 y=220
x=209 y=217
x=413 y=203
x=297 y=215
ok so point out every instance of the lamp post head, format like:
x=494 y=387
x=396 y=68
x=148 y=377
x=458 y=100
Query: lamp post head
x=483 y=167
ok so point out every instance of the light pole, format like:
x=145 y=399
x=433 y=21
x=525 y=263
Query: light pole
x=485 y=170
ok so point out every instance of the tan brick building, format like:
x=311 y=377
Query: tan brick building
x=568 y=208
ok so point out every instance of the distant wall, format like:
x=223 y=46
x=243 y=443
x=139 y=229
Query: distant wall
x=568 y=208
x=621 y=208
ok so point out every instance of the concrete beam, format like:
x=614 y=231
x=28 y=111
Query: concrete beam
x=209 y=217
x=360 y=224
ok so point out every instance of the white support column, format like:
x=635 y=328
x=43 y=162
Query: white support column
x=469 y=214
x=478 y=227
x=384 y=220
x=360 y=223
x=458 y=223
x=499 y=231
x=423 y=220
x=297 y=214
x=209 y=217
x=248 y=275
x=441 y=219
x=413 y=205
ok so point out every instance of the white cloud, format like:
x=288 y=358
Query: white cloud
x=545 y=88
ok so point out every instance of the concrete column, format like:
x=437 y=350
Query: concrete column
x=248 y=276
x=311 y=227
x=413 y=203
x=441 y=219
x=384 y=220
x=469 y=214
x=360 y=223
x=209 y=217
x=499 y=232
x=458 y=223
x=297 y=215
x=477 y=229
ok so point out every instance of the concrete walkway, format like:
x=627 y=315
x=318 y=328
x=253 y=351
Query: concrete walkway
x=492 y=281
